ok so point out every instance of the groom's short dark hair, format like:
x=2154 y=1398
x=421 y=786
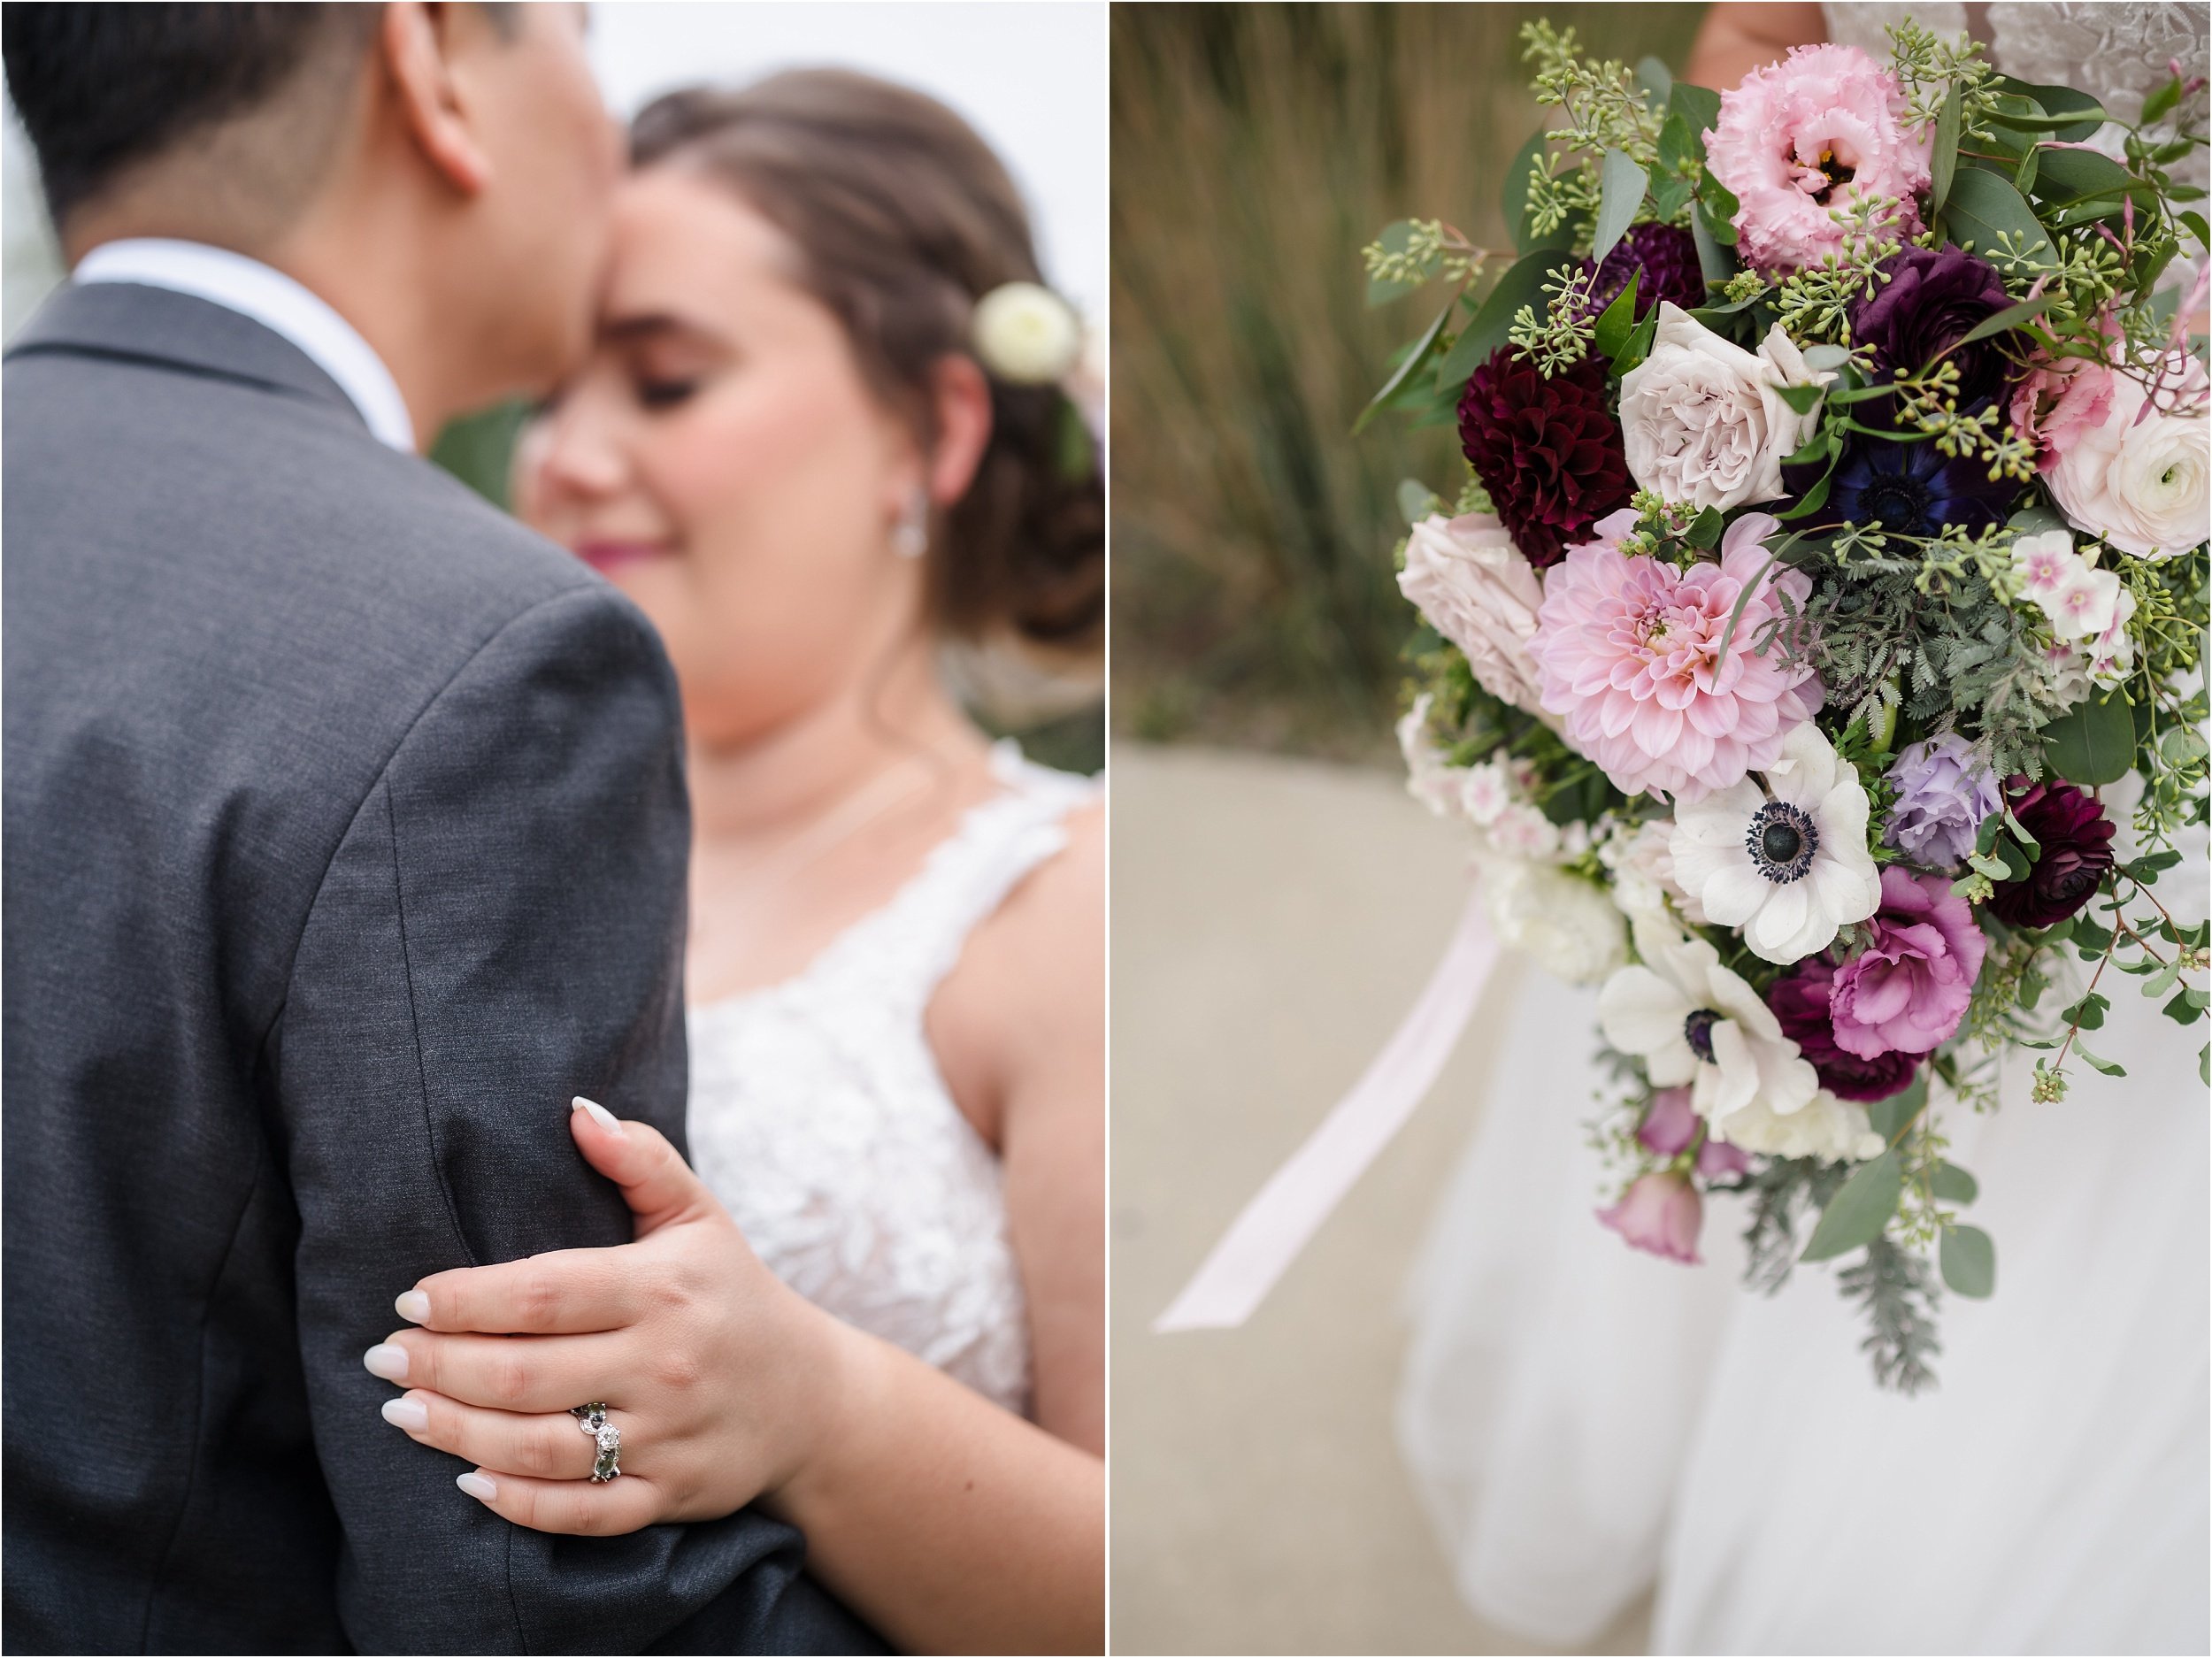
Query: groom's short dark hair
x=102 y=88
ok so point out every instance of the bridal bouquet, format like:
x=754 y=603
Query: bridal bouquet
x=1815 y=649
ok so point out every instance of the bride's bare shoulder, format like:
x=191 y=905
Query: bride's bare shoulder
x=1028 y=997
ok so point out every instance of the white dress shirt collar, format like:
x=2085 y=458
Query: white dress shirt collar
x=274 y=300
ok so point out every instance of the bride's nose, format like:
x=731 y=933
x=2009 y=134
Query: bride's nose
x=567 y=454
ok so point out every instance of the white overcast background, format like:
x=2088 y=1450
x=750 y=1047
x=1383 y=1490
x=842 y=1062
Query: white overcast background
x=1029 y=74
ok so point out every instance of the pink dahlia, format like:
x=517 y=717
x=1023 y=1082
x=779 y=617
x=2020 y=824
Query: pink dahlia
x=1628 y=653
x=1801 y=138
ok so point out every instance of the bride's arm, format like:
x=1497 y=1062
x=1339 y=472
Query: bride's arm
x=1736 y=38
x=948 y=1523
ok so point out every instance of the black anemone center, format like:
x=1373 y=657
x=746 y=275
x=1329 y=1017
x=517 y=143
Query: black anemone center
x=1697 y=1031
x=1899 y=502
x=1781 y=840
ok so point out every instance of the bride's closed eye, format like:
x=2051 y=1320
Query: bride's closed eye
x=663 y=394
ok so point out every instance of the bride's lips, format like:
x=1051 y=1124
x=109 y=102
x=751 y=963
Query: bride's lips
x=606 y=558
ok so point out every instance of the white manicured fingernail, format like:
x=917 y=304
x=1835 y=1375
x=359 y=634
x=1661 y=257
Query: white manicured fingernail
x=477 y=1486
x=387 y=1361
x=414 y=1307
x=405 y=1413
x=599 y=1113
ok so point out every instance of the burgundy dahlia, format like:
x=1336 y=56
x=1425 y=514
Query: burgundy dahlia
x=1800 y=999
x=1933 y=295
x=2074 y=849
x=1547 y=450
x=1666 y=255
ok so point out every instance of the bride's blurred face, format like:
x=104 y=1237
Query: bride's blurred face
x=723 y=462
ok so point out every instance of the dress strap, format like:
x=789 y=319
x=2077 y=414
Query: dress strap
x=969 y=874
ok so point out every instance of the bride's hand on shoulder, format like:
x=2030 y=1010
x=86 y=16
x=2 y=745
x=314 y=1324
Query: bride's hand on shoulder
x=721 y=1380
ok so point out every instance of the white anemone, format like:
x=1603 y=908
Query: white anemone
x=1788 y=864
x=1693 y=1021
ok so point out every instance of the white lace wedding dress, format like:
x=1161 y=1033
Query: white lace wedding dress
x=1583 y=1422
x=819 y=1117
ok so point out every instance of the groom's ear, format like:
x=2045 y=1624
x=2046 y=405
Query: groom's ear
x=421 y=44
x=962 y=397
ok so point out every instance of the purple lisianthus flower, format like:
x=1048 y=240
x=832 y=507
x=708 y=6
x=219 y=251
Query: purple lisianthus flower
x=1933 y=297
x=1659 y=1213
x=1907 y=990
x=1942 y=797
x=1800 y=1000
x=1667 y=256
x=2073 y=851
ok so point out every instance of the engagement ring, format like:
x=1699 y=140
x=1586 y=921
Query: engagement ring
x=592 y=1419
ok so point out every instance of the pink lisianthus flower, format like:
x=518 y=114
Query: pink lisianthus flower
x=1671 y=1122
x=1660 y=1213
x=1906 y=991
x=1628 y=655
x=1799 y=139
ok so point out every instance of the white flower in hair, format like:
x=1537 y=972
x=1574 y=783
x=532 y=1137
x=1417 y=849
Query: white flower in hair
x=1025 y=335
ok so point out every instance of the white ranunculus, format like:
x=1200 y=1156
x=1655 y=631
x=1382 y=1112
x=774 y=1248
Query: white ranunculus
x=1788 y=864
x=1833 y=1130
x=1643 y=870
x=1475 y=588
x=2145 y=486
x=1568 y=926
x=1703 y=420
x=1693 y=1021
x=1026 y=334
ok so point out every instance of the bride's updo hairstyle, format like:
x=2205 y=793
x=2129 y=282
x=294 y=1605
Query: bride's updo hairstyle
x=904 y=218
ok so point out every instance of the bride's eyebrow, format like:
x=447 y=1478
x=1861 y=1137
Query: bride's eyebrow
x=655 y=325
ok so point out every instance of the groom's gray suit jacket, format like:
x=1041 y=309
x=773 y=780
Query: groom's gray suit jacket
x=345 y=836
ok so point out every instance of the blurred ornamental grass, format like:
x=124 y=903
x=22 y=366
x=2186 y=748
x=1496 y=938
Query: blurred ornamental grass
x=1255 y=147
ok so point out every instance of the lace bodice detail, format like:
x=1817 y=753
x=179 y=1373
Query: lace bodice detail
x=2118 y=51
x=819 y=1117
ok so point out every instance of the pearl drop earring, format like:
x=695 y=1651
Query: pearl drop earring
x=909 y=536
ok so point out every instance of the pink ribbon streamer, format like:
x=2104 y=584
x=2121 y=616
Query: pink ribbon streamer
x=1283 y=1217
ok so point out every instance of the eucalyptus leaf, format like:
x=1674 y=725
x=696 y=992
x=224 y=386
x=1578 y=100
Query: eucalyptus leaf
x=1982 y=205
x=2181 y=1010
x=1522 y=284
x=2093 y=743
x=1412 y=360
x=1890 y=1116
x=1699 y=108
x=1945 y=160
x=1951 y=1184
x=1396 y=238
x=1514 y=205
x=1416 y=500
x=1803 y=399
x=1705 y=529
x=2089 y=1012
x=1621 y=192
x=2073 y=116
x=2073 y=175
x=1969 y=1262
x=1657 y=80
x=1861 y=1209
x=2010 y=316
x=1825 y=359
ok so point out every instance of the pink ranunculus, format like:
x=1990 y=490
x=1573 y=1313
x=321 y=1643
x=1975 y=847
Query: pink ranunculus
x=1659 y=1213
x=1628 y=654
x=1801 y=138
x=2056 y=404
x=1906 y=991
